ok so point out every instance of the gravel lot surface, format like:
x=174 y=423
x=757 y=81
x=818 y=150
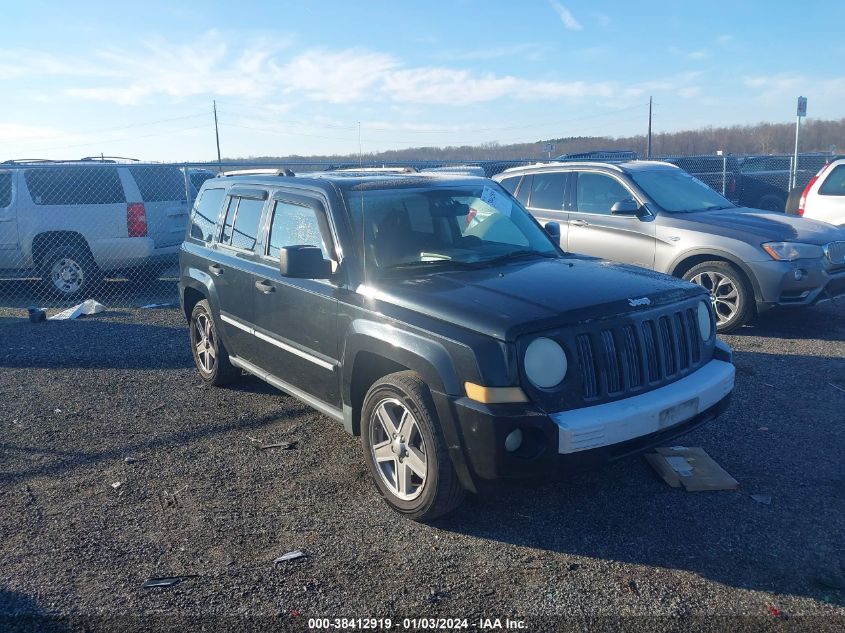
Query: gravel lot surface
x=117 y=464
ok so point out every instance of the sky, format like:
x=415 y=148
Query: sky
x=300 y=77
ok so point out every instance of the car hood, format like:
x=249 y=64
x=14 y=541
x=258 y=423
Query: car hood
x=755 y=225
x=507 y=301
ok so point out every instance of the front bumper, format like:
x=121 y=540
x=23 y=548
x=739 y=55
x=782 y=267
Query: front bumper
x=582 y=438
x=778 y=286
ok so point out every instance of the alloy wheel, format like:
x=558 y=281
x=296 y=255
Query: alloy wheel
x=203 y=340
x=398 y=449
x=723 y=294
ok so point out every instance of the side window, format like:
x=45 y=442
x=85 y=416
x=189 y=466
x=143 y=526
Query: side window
x=244 y=229
x=510 y=183
x=74 y=185
x=294 y=225
x=833 y=185
x=547 y=191
x=5 y=189
x=597 y=193
x=204 y=215
x=229 y=220
x=159 y=184
x=524 y=190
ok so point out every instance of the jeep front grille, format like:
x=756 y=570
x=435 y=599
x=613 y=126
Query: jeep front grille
x=635 y=356
x=836 y=252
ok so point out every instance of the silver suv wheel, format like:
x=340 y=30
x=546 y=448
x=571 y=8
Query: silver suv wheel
x=67 y=275
x=723 y=294
x=730 y=292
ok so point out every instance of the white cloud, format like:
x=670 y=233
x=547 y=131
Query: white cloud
x=565 y=16
x=10 y=132
x=699 y=54
x=335 y=76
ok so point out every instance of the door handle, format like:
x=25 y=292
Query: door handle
x=265 y=286
x=216 y=269
x=578 y=223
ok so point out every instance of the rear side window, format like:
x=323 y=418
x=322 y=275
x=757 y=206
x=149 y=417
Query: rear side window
x=833 y=185
x=204 y=216
x=5 y=189
x=524 y=190
x=74 y=185
x=510 y=183
x=240 y=230
x=159 y=184
x=294 y=225
x=547 y=191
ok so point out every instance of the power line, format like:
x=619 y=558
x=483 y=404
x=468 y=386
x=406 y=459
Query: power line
x=125 y=127
x=123 y=139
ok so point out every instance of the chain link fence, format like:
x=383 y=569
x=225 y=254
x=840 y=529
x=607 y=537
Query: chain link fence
x=110 y=229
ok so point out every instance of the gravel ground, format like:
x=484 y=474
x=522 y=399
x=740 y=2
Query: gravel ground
x=114 y=399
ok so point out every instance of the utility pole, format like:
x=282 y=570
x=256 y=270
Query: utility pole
x=216 y=132
x=648 y=146
x=802 y=111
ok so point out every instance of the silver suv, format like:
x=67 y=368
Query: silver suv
x=655 y=215
x=71 y=222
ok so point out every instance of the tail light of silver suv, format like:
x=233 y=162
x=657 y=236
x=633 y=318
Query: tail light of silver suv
x=136 y=219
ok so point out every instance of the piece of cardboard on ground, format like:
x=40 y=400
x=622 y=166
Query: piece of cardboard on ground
x=690 y=467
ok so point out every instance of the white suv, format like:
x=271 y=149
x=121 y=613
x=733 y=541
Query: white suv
x=824 y=196
x=71 y=222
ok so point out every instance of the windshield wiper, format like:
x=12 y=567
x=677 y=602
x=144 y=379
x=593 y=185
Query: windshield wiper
x=519 y=254
x=431 y=263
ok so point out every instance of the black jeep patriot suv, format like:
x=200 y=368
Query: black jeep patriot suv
x=435 y=318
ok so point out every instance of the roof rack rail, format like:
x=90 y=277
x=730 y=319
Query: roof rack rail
x=87 y=159
x=257 y=172
x=408 y=169
x=109 y=159
x=601 y=154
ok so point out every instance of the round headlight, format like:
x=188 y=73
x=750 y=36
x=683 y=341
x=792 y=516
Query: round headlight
x=704 y=322
x=545 y=363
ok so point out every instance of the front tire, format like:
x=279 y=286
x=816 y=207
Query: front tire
x=405 y=450
x=729 y=291
x=210 y=355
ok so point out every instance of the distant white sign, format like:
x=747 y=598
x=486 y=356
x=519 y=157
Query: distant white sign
x=802 y=106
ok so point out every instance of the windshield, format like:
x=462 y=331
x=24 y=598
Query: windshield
x=444 y=228
x=678 y=192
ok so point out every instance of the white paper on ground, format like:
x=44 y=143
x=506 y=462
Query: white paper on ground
x=89 y=306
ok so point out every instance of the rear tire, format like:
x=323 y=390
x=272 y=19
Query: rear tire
x=771 y=202
x=729 y=290
x=210 y=355
x=68 y=272
x=405 y=450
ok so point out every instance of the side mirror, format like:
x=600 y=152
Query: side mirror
x=553 y=229
x=304 y=262
x=625 y=207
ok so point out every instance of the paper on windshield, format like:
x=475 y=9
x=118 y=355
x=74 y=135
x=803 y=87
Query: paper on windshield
x=497 y=200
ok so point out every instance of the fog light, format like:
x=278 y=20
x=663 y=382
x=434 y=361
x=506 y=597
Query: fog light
x=513 y=441
x=798 y=274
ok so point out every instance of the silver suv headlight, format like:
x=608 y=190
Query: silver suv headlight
x=545 y=363
x=788 y=251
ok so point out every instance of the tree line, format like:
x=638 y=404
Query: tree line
x=817 y=135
